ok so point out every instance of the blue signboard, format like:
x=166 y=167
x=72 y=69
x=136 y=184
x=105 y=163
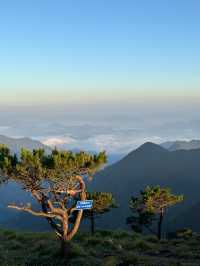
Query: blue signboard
x=84 y=205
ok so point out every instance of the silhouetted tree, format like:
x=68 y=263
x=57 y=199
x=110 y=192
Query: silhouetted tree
x=56 y=181
x=102 y=202
x=151 y=206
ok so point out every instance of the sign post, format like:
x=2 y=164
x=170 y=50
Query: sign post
x=84 y=205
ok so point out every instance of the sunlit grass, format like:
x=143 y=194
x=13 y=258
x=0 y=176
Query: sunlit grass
x=104 y=248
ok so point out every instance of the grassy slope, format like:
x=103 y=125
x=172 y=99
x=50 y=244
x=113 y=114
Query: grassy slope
x=105 y=248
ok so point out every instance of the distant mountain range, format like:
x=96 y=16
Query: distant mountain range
x=16 y=144
x=181 y=145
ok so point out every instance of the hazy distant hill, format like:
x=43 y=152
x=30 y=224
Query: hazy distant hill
x=150 y=165
x=15 y=144
x=181 y=145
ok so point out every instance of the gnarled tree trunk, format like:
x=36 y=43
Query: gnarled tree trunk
x=66 y=249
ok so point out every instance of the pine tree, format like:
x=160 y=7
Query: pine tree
x=151 y=206
x=56 y=181
x=102 y=202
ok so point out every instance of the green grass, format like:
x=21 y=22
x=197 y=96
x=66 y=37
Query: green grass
x=105 y=248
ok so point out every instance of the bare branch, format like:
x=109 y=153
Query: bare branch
x=35 y=213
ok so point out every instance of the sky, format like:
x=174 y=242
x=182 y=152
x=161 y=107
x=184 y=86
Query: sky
x=100 y=75
x=72 y=52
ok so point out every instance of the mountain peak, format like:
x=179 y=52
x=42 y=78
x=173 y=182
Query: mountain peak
x=146 y=150
x=150 y=147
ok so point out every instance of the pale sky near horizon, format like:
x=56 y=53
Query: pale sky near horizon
x=96 y=51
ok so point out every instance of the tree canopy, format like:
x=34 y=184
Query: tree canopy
x=102 y=201
x=150 y=205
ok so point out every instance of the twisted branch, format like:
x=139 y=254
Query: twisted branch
x=35 y=213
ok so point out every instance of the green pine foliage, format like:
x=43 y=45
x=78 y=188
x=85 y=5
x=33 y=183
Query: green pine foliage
x=35 y=166
x=102 y=202
x=150 y=206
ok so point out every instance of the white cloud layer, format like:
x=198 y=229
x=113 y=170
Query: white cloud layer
x=114 y=144
x=114 y=129
x=57 y=141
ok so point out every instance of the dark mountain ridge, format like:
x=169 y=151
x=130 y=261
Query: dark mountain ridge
x=150 y=165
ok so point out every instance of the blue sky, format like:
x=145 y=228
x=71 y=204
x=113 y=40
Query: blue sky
x=89 y=51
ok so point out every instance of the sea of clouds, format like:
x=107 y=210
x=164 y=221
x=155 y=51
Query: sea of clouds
x=116 y=130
